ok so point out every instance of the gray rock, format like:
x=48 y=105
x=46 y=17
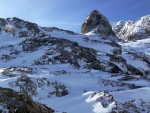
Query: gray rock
x=14 y=102
x=98 y=24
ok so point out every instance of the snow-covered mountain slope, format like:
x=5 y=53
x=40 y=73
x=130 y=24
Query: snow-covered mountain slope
x=121 y=28
x=75 y=73
x=15 y=27
x=117 y=26
x=133 y=31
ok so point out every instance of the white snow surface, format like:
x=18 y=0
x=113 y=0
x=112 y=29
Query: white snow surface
x=85 y=86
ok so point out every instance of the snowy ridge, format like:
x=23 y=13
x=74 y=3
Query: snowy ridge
x=15 y=27
x=133 y=31
x=121 y=28
x=72 y=73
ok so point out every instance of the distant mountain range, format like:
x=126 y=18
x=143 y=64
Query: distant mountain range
x=106 y=69
x=128 y=30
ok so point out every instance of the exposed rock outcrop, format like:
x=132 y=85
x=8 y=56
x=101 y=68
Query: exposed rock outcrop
x=19 y=28
x=14 y=102
x=98 y=24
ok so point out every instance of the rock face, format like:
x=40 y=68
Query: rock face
x=14 y=102
x=98 y=24
x=128 y=30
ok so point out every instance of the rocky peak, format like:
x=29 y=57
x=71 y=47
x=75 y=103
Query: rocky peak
x=117 y=26
x=98 y=24
x=121 y=28
x=142 y=25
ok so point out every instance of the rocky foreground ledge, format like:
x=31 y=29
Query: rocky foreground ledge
x=14 y=102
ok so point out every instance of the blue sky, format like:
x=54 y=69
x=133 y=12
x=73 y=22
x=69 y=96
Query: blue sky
x=70 y=14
